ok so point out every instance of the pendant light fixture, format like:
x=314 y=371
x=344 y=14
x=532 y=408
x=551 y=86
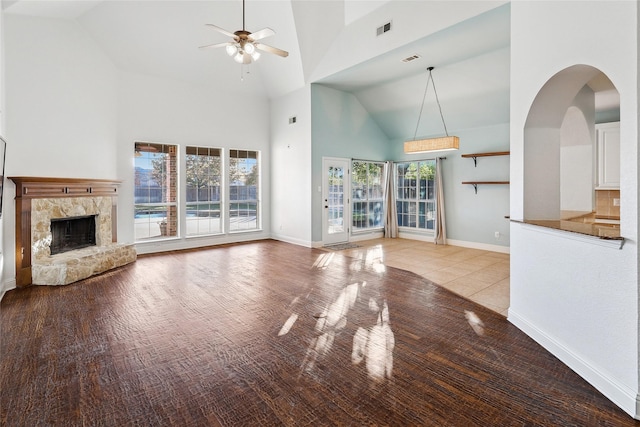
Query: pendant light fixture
x=444 y=143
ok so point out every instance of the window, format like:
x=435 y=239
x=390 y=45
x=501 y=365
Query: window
x=244 y=190
x=415 y=194
x=203 y=176
x=156 y=209
x=367 y=195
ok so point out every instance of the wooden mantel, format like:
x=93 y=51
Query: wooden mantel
x=29 y=187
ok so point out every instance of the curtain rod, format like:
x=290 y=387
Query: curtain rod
x=383 y=161
x=369 y=161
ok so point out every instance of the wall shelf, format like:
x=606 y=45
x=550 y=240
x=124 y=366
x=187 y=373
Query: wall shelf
x=476 y=183
x=475 y=156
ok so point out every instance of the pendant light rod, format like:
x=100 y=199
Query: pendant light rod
x=444 y=143
x=243 y=15
x=438 y=102
x=424 y=96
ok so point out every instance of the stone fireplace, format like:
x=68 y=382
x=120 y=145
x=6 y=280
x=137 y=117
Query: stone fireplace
x=45 y=204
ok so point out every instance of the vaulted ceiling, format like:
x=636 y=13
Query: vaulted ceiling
x=329 y=42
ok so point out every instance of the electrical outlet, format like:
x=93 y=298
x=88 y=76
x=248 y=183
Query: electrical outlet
x=497 y=234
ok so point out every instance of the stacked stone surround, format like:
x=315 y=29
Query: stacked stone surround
x=69 y=267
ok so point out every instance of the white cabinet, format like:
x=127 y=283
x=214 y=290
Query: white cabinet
x=608 y=152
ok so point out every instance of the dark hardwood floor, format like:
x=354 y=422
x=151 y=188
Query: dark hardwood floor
x=269 y=333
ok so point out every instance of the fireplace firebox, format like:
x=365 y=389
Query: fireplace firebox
x=72 y=233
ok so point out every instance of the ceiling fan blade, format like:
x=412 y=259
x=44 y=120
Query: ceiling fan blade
x=265 y=32
x=214 y=45
x=273 y=50
x=222 y=30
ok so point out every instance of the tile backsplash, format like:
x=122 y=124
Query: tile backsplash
x=608 y=204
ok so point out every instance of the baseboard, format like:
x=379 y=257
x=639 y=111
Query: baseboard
x=359 y=237
x=619 y=394
x=292 y=240
x=482 y=246
x=195 y=242
x=7 y=286
x=414 y=236
x=427 y=238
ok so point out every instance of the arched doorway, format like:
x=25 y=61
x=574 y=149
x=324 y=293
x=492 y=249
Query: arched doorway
x=563 y=158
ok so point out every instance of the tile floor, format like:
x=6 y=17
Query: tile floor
x=481 y=276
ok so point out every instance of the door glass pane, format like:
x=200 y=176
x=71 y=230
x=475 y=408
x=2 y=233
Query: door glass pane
x=335 y=201
x=367 y=195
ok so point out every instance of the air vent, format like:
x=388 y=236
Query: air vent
x=411 y=58
x=383 y=29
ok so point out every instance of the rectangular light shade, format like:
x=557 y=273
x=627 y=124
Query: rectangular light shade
x=432 y=144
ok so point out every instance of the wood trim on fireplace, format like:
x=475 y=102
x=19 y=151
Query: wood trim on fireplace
x=28 y=188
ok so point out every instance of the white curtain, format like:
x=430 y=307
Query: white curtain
x=440 y=237
x=391 y=211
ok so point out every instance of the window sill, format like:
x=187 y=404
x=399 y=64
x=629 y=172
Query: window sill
x=254 y=230
x=203 y=236
x=157 y=240
x=367 y=230
x=602 y=235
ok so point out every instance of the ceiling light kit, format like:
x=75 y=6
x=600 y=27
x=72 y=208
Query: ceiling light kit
x=444 y=143
x=244 y=47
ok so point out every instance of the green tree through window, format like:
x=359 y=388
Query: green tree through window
x=367 y=195
x=204 y=202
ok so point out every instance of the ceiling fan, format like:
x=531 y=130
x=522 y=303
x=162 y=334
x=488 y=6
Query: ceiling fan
x=244 y=47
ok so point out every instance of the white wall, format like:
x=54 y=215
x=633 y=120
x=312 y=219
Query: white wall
x=2 y=128
x=578 y=298
x=60 y=109
x=173 y=112
x=577 y=142
x=290 y=171
x=2 y=62
x=61 y=101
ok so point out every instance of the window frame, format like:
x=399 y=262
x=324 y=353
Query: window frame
x=411 y=196
x=232 y=203
x=202 y=151
x=168 y=226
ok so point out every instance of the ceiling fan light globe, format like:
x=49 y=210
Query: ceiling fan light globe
x=250 y=48
x=232 y=49
x=255 y=55
x=239 y=57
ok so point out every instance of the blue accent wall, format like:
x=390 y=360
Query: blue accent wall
x=340 y=127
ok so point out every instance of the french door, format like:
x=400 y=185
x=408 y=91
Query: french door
x=335 y=200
